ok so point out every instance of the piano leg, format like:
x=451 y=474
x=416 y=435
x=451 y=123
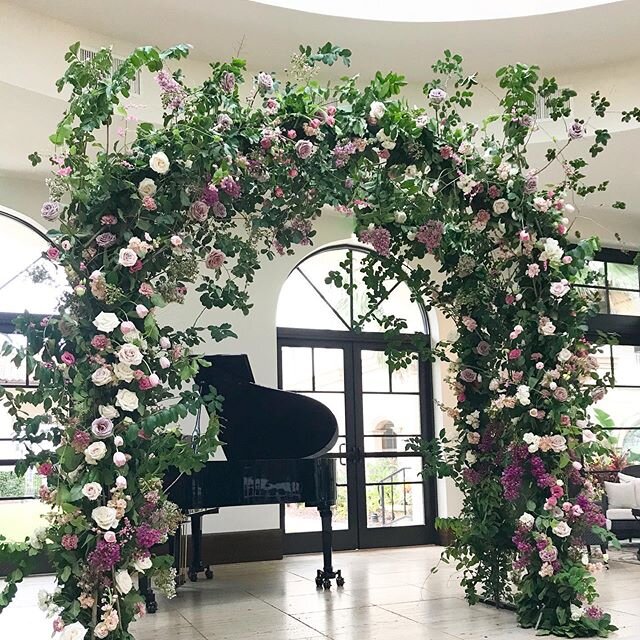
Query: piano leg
x=196 y=558
x=324 y=575
x=147 y=592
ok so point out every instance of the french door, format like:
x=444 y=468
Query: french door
x=383 y=500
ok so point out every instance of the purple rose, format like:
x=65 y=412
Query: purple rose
x=228 y=81
x=50 y=210
x=483 y=348
x=576 y=130
x=102 y=428
x=531 y=183
x=561 y=394
x=437 y=95
x=468 y=375
x=199 y=211
x=219 y=210
x=304 y=149
x=106 y=240
x=265 y=82
x=548 y=554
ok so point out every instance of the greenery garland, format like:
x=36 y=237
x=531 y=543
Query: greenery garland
x=228 y=182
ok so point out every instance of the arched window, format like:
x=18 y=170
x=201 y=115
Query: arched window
x=28 y=282
x=331 y=347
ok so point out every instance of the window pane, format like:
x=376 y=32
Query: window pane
x=375 y=371
x=622 y=405
x=385 y=414
x=299 y=306
x=300 y=519
x=603 y=355
x=296 y=369
x=12 y=486
x=27 y=280
x=386 y=443
x=624 y=276
x=393 y=469
x=395 y=506
x=626 y=303
x=329 y=369
x=626 y=364
x=20 y=517
x=407 y=379
x=9 y=373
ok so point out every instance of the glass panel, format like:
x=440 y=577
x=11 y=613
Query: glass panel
x=21 y=517
x=600 y=295
x=386 y=443
x=399 y=305
x=393 y=469
x=335 y=402
x=317 y=269
x=626 y=364
x=624 y=276
x=625 y=303
x=12 y=486
x=301 y=519
x=395 y=506
x=622 y=405
x=10 y=450
x=384 y=412
x=341 y=470
x=603 y=356
x=9 y=373
x=300 y=306
x=28 y=281
x=328 y=369
x=375 y=371
x=406 y=380
x=296 y=369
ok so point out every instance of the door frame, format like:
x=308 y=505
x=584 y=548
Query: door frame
x=372 y=537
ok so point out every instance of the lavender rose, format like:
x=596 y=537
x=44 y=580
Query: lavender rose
x=576 y=130
x=265 y=82
x=561 y=394
x=102 y=428
x=50 y=210
x=106 y=240
x=199 y=211
x=304 y=149
x=228 y=81
x=483 y=348
x=468 y=375
x=437 y=96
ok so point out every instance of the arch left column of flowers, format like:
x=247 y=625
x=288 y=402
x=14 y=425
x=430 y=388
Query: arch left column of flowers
x=226 y=183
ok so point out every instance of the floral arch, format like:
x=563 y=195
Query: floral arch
x=228 y=182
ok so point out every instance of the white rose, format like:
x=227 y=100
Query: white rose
x=159 y=162
x=527 y=520
x=576 y=612
x=501 y=206
x=127 y=400
x=533 y=441
x=105 y=517
x=588 y=436
x=43 y=600
x=147 y=187
x=552 y=251
x=559 y=289
x=74 y=631
x=564 y=355
x=101 y=631
x=127 y=257
x=385 y=140
x=108 y=411
x=129 y=354
x=377 y=110
x=38 y=537
x=466 y=148
x=523 y=395
x=142 y=564
x=106 y=322
x=401 y=217
x=95 y=452
x=92 y=490
x=123 y=372
x=124 y=583
x=102 y=376
x=562 y=530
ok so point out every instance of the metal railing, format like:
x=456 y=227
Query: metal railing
x=381 y=487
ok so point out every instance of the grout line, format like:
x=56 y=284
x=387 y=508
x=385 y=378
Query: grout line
x=189 y=623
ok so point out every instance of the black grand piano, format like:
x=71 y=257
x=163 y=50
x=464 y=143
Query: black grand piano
x=273 y=442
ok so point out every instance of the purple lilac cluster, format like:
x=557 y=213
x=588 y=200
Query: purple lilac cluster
x=379 y=238
x=229 y=185
x=592 y=513
x=304 y=227
x=147 y=536
x=540 y=474
x=210 y=195
x=512 y=481
x=342 y=152
x=173 y=93
x=472 y=476
x=524 y=547
x=430 y=234
x=105 y=556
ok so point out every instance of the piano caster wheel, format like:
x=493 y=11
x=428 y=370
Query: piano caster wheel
x=208 y=574
x=319 y=582
x=193 y=576
x=152 y=607
x=340 y=581
x=326 y=584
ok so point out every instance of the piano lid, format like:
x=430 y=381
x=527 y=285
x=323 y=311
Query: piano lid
x=259 y=423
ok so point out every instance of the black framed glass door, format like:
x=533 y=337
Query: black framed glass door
x=382 y=498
